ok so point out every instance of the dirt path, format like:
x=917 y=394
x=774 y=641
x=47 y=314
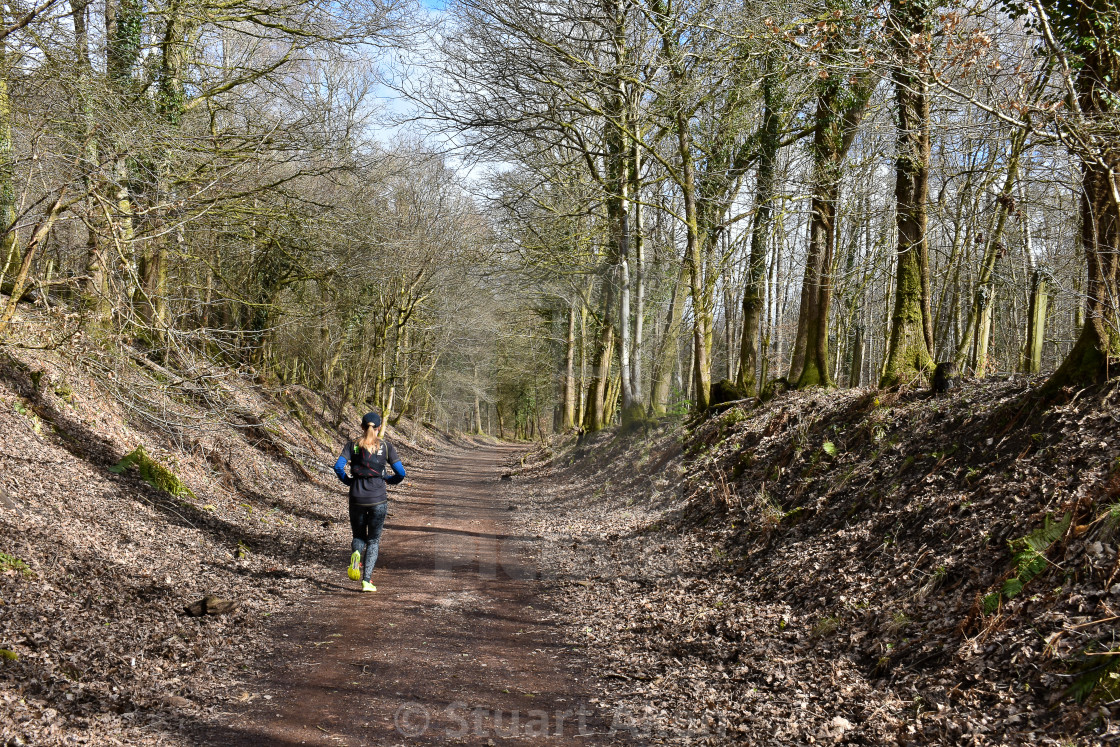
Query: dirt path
x=454 y=647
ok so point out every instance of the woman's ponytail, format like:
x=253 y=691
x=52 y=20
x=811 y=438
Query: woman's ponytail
x=370 y=440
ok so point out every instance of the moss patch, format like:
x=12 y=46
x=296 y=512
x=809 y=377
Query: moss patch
x=154 y=473
x=12 y=563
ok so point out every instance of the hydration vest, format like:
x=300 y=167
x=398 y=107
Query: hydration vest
x=366 y=465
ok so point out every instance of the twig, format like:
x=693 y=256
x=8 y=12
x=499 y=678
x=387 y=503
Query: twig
x=1094 y=622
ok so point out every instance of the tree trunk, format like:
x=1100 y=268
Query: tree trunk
x=691 y=362
x=770 y=140
x=809 y=366
x=19 y=283
x=95 y=288
x=583 y=385
x=639 y=273
x=730 y=356
x=1036 y=321
x=123 y=40
x=840 y=108
x=694 y=256
x=10 y=254
x=604 y=353
x=175 y=48
x=855 y=376
x=984 y=335
x=153 y=284
x=624 y=315
x=619 y=149
x=477 y=406
x=568 y=416
x=849 y=329
x=908 y=354
x=612 y=395
x=1096 y=354
x=666 y=361
x=993 y=248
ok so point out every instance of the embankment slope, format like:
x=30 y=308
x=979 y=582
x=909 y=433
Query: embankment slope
x=849 y=567
x=97 y=567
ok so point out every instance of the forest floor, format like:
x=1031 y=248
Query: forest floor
x=847 y=567
x=236 y=499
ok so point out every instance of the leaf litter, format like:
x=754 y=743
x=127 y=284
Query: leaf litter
x=844 y=568
x=849 y=567
x=224 y=493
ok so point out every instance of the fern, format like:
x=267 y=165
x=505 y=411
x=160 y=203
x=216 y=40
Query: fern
x=1030 y=551
x=1029 y=556
x=1098 y=670
x=1011 y=587
x=1111 y=521
x=991 y=602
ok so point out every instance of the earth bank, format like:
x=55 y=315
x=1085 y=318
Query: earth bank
x=853 y=567
x=226 y=492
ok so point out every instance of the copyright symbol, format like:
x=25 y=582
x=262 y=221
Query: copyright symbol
x=411 y=719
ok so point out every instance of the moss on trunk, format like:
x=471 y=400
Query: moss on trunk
x=908 y=357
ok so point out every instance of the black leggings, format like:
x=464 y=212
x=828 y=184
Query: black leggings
x=366 y=523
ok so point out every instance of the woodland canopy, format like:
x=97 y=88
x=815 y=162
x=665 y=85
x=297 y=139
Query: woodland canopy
x=597 y=211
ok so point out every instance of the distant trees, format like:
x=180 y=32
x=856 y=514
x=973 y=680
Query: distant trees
x=830 y=192
x=1084 y=39
x=202 y=179
x=761 y=136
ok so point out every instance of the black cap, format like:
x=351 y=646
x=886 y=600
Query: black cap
x=371 y=418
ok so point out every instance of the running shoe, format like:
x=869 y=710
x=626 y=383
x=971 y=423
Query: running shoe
x=355 y=569
x=367 y=586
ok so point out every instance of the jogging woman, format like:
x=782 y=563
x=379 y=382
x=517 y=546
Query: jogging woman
x=368 y=458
